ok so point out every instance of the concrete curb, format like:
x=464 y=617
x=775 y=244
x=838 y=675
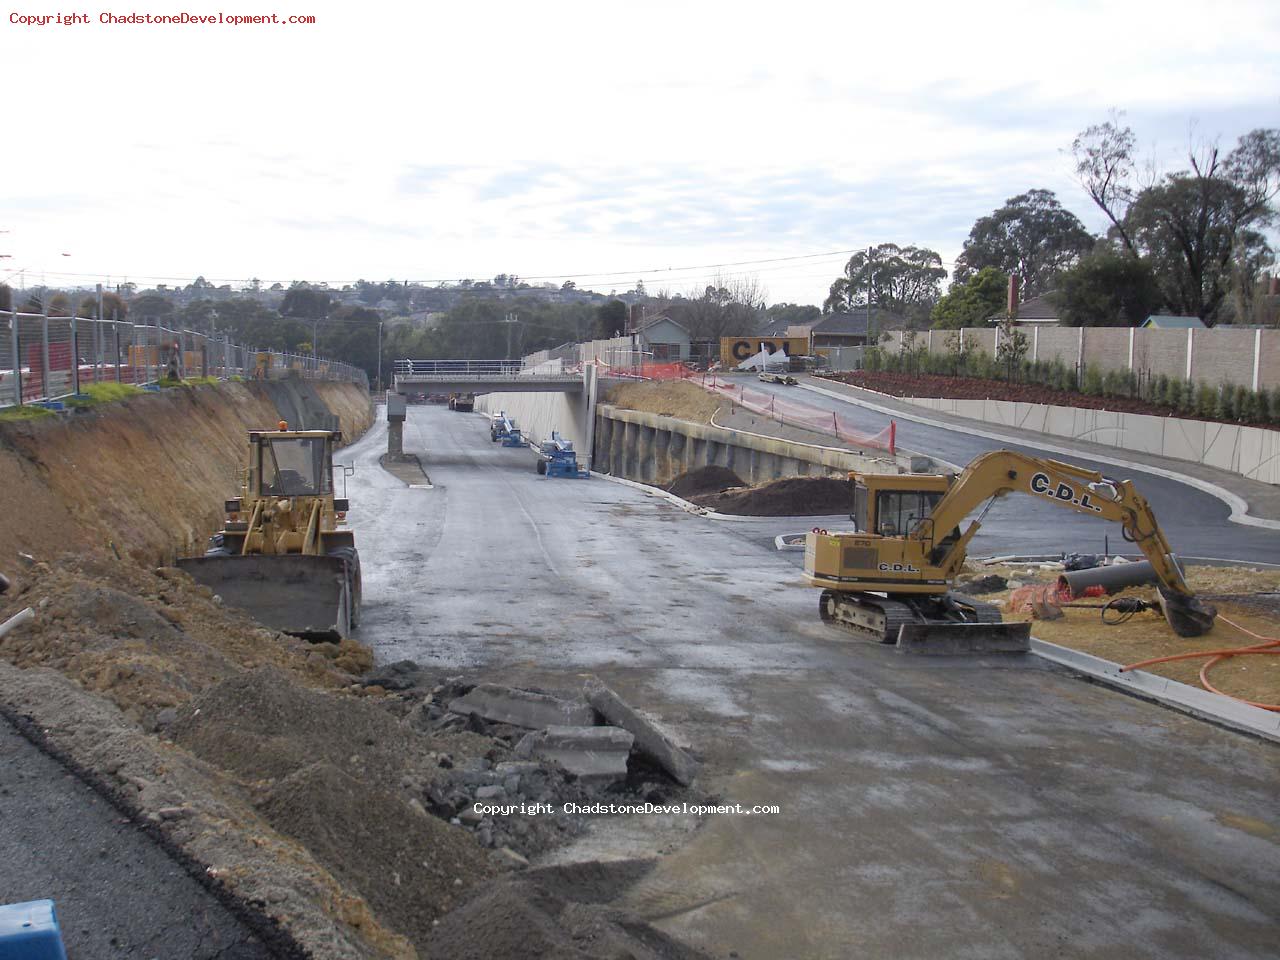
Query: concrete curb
x=1170 y=693
x=1238 y=505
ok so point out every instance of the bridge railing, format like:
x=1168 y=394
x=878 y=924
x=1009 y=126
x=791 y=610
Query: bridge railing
x=479 y=370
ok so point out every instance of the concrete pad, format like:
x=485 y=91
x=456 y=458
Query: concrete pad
x=649 y=740
x=522 y=708
x=595 y=755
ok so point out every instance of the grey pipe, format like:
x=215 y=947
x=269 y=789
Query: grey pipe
x=1113 y=579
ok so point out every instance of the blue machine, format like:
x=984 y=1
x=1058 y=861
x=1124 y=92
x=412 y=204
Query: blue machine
x=556 y=458
x=29 y=931
x=502 y=427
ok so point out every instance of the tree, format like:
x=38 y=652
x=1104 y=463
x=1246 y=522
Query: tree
x=1200 y=228
x=151 y=308
x=568 y=285
x=791 y=314
x=610 y=319
x=903 y=280
x=1107 y=289
x=970 y=303
x=305 y=302
x=6 y=297
x=1032 y=235
x=728 y=306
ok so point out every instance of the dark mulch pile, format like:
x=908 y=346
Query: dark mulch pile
x=969 y=388
x=704 y=480
x=789 y=497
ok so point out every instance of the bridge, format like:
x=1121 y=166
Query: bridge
x=485 y=376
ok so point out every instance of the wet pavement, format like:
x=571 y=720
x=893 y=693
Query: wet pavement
x=984 y=807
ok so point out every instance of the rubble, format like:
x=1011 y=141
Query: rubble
x=649 y=740
x=595 y=755
x=522 y=708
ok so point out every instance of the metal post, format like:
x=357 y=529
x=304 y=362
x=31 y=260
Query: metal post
x=99 y=341
x=44 y=357
x=379 y=385
x=115 y=327
x=75 y=354
x=17 y=361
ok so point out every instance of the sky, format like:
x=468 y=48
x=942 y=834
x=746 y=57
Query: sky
x=605 y=141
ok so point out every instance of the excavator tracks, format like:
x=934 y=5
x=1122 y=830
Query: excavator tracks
x=955 y=620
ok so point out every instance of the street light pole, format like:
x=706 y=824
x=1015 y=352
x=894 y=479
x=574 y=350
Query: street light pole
x=379 y=355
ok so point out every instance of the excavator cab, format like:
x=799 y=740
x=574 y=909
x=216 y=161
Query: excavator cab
x=891 y=505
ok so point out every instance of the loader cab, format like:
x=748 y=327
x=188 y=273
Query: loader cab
x=893 y=505
x=291 y=463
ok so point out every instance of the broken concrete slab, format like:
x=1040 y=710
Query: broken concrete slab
x=649 y=740
x=522 y=708
x=595 y=755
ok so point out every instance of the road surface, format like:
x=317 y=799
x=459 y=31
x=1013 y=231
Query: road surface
x=962 y=808
x=1194 y=521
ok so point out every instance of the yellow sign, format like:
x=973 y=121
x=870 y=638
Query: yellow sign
x=737 y=349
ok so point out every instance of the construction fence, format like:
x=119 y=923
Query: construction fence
x=1240 y=356
x=46 y=358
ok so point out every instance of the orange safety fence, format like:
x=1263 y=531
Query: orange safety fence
x=783 y=410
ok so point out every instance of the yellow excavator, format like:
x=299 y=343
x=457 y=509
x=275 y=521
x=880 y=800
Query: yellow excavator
x=281 y=555
x=890 y=579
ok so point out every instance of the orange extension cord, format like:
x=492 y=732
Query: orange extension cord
x=1269 y=646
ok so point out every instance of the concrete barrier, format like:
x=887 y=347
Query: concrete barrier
x=655 y=449
x=1252 y=452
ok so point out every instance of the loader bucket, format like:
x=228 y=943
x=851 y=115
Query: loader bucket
x=1188 y=616
x=960 y=638
x=303 y=595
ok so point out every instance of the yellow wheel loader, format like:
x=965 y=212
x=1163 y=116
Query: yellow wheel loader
x=889 y=580
x=281 y=555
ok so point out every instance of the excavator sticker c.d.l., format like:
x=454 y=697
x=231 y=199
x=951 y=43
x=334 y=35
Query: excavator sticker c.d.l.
x=1042 y=484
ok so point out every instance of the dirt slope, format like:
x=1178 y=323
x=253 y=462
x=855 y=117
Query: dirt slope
x=147 y=474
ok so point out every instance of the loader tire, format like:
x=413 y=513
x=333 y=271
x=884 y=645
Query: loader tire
x=352 y=556
x=541 y=467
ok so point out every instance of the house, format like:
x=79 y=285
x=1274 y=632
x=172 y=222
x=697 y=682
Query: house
x=1038 y=311
x=663 y=338
x=1160 y=321
x=845 y=329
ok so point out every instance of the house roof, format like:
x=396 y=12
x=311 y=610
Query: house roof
x=653 y=322
x=1038 y=309
x=1167 y=322
x=852 y=324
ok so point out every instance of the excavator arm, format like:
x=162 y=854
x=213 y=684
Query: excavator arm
x=1086 y=491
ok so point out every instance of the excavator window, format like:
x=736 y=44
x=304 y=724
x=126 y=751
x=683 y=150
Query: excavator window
x=295 y=467
x=898 y=511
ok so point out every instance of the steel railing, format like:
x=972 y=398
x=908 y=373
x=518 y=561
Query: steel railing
x=480 y=369
x=48 y=358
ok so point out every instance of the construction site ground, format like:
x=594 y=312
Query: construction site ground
x=980 y=806
x=890 y=806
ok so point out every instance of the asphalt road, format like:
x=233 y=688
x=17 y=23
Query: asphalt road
x=118 y=894
x=929 y=807
x=1195 y=522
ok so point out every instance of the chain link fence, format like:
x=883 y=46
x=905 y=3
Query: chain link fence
x=46 y=358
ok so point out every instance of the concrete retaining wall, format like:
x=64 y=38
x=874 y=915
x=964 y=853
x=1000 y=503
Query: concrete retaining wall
x=655 y=449
x=538 y=414
x=1249 y=451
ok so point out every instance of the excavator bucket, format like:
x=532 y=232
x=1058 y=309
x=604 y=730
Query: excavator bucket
x=961 y=638
x=1188 y=616
x=307 y=596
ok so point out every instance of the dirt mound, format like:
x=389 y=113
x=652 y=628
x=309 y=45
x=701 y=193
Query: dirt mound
x=522 y=918
x=710 y=479
x=151 y=639
x=263 y=726
x=789 y=497
x=409 y=866
x=668 y=398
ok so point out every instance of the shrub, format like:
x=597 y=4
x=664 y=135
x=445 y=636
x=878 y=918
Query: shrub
x=1159 y=389
x=1171 y=395
x=1247 y=405
x=1224 y=407
x=1206 y=400
x=1239 y=401
x=1093 y=382
x=1273 y=405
